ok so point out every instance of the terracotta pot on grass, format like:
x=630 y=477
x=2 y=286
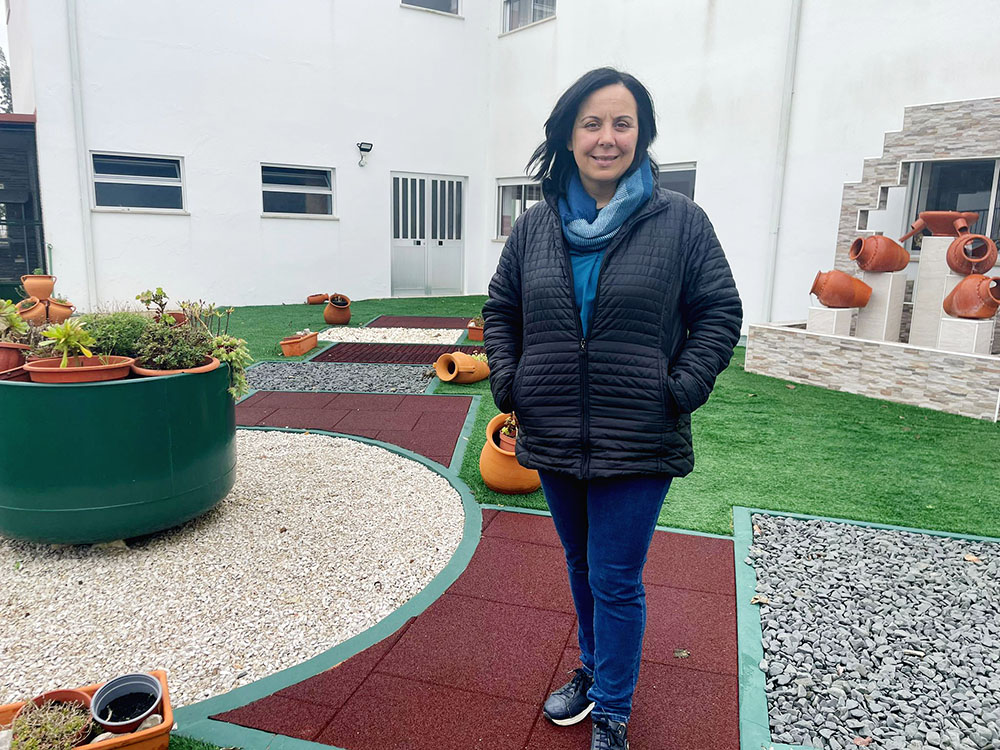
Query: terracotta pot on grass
x=337 y=314
x=942 y=223
x=79 y=370
x=475 y=332
x=293 y=346
x=58 y=312
x=878 y=253
x=317 y=299
x=31 y=310
x=976 y=297
x=459 y=367
x=971 y=253
x=39 y=286
x=12 y=355
x=209 y=364
x=499 y=467
x=838 y=290
x=63 y=696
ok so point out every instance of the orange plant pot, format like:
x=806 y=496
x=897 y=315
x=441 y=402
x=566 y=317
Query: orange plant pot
x=838 y=289
x=17 y=375
x=79 y=370
x=459 y=367
x=293 y=346
x=971 y=253
x=942 y=223
x=210 y=364
x=154 y=738
x=475 y=332
x=40 y=286
x=61 y=696
x=317 y=299
x=31 y=310
x=12 y=355
x=499 y=468
x=335 y=315
x=878 y=253
x=58 y=312
x=976 y=297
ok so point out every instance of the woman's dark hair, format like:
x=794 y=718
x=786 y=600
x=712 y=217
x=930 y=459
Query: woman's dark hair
x=553 y=164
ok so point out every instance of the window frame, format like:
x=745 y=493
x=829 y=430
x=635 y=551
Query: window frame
x=681 y=166
x=505 y=18
x=301 y=190
x=506 y=182
x=457 y=14
x=180 y=182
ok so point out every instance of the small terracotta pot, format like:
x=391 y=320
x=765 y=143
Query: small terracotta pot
x=942 y=223
x=293 y=346
x=40 y=286
x=976 y=297
x=838 y=289
x=972 y=253
x=507 y=442
x=337 y=315
x=58 y=312
x=499 y=468
x=459 y=367
x=31 y=311
x=475 y=332
x=12 y=355
x=317 y=299
x=79 y=370
x=63 y=696
x=211 y=363
x=878 y=253
x=18 y=374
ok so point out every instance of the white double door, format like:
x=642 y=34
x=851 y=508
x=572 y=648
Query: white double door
x=427 y=229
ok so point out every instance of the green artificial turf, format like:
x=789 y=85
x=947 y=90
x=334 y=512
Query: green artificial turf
x=761 y=443
x=186 y=743
x=263 y=326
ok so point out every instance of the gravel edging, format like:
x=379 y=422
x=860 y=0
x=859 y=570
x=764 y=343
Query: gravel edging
x=880 y=635
x=319 y=540
x=348 y=377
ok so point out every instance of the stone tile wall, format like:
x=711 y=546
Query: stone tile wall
x=963 y=384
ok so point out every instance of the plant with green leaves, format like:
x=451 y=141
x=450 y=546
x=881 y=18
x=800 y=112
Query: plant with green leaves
x=479 y=357
x=12 y=325
x=234 y=352
x=50 y=726
x=166 y=346
x=207 y=315
x=117 y=333
x=39 y=272
x=477 y=321
x=149 y=298
x=70 y=338
x=510 y=426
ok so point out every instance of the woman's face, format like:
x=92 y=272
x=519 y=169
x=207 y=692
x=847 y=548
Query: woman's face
x=604 y=137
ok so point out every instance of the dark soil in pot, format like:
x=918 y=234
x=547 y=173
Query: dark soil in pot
x=128 y=706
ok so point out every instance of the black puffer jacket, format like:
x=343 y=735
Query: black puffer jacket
x=666 y=318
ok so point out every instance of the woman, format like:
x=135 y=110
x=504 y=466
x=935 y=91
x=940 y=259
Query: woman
x=610 y=315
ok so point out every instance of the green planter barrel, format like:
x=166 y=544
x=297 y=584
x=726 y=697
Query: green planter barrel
x=94 y=462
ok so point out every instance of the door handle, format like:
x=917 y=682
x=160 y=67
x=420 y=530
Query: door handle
x=440 y=242
x=416 y=242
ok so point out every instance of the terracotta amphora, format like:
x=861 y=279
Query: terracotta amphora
x=971 y=253
x=340 y=314
x=942 y=223
x=459 y=367
x=499 y=467
x=58 y=311
x=32 y=311
x=878 y=253
x=838 y=289
x=38 y=285
x=975 y=296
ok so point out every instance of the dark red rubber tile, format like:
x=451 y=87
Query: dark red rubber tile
x=251 y=415
x=393 y=713
x=292 y=718
x=253 y=399
x=306 y=419
x=702 y=624
x=499 y=649
x=436 y=404
x=488 y=516
x=334 y=686
x=395 y=354
x=505 y=570
x=418 y=321
x=293 y=400
x=378 y=420
x=526 y=527
x=450 y=421
x=367 y=401
x=687 y=561
x=421 y=441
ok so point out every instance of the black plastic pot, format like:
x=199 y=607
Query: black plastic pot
x=120 y=687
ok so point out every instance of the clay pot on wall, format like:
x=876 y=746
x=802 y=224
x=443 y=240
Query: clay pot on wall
x=942 y=223
x=338 y=310
x=499 y=468
x=838 y=289
x=976 y=297
x=459 y=367
x=972 y=253
x=40 y=285
x=317 y=299
x=878 y=253
x=31 y=310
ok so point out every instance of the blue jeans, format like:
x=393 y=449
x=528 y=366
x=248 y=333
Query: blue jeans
x=606 y=526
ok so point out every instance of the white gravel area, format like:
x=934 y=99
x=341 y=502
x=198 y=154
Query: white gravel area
x=393 y=335
x=320 y=539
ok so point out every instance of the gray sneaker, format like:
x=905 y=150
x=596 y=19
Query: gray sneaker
x=608 y=735
x=570 y=704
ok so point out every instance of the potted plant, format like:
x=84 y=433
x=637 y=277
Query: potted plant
x=38 y=284
x=117 y=333
x=317 y=299
x=12 y=329
x=123 y=703
x=149 y=298
x=77 y=364
x=338 y=310
x=59 y=309
x=508 y=433
x=475 y=328
x=166 y=348
x=57 y=720
x=300 y=343
x=459 y=367
x=233 y=352
x=499 y=467
x=31 y=310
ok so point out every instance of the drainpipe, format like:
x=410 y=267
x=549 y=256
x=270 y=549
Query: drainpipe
x=83 y=170
x=781 y=157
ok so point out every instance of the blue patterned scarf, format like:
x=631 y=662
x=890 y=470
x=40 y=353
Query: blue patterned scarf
x=585 y=227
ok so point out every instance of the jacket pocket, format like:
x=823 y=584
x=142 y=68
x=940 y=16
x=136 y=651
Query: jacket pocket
x=670 y=411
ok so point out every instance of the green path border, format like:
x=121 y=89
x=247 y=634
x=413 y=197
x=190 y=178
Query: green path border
x=462 y=443
x=192 y=720
x=755 y=730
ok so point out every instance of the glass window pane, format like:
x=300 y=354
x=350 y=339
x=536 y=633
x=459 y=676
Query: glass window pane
x=680 y=181
x=543 y=9
x=293 y=176
x=434 y=209
x=405 y=209
x=395 y=208
x=451 y=210
x=957 y=186
x=445 y=6
x=297 y=203
x=138 y=196
x=995 y=234
x=458 y=210
x=135 y=166
x=413 y=209
x=423 y=210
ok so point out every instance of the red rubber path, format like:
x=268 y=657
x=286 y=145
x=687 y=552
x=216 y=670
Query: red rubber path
x=473 y=669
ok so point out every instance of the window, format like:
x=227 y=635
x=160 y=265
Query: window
x=518 y=13
x=124 y=181
x=512 y=201
x=297 y=190
x=443 y=6
x=969 y=185
x=678 y=177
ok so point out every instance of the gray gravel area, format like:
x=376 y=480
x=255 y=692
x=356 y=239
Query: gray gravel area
x=339 y=376
x=876 y=638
